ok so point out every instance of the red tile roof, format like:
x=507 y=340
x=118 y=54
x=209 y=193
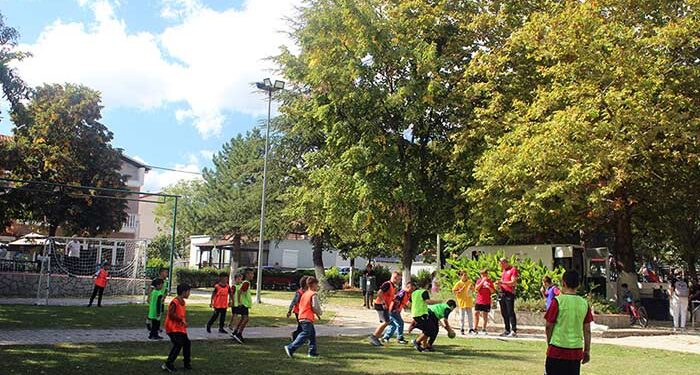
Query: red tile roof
x=5 y=138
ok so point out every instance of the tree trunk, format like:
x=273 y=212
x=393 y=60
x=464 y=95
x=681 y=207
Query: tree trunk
x=235 y=257
x=624 y=250
x=408 y=251
x=691 y=259
x=352 y=272
x=319 y=269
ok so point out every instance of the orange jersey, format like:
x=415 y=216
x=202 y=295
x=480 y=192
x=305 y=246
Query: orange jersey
x=221 y=296
x=387 y=295
x=176 y=325
x=101 y=279
x=306 y=311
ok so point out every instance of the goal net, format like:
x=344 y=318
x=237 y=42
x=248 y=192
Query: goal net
x=68 y=266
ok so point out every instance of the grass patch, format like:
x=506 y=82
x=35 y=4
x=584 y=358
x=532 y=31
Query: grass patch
x=339 y=356
x=121 y=316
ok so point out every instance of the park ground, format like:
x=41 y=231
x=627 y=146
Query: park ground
x=111 y=340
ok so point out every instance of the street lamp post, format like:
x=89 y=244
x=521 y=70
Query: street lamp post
x=267 y=86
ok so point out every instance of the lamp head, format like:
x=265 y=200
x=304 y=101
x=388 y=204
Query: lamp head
x=279 y=85
x=267 y=82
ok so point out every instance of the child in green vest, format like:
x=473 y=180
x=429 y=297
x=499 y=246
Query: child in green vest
x=420 y=299
x=568 y=330
x=155 y=309
x=243 y=301
x=438 y=315
x=237 y=279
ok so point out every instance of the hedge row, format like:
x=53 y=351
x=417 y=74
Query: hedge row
x=207 y=277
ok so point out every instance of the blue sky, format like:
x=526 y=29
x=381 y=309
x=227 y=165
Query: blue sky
x=175 y=75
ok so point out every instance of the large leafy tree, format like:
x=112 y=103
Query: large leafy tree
x=584 y=100
x=378 y=79
x=59 y=139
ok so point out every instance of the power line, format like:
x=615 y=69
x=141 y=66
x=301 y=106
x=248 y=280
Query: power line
x=173 y=170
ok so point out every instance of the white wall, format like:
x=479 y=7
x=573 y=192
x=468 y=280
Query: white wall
x=304 y=253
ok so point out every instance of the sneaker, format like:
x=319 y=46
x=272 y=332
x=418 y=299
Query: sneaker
x=159 y=337
x=374 y=341
x=417 y=346
x=237 y=338
x=402 y=341
x=484 y=333
x=385 y=340
x=429 y=350
x=513 y=334
x=168 y=367
x=505 y=334
x=188 y=366
x=152 y=338
x=240 y=337
x=472 y=332
x=289 y=353
x=208 y=328
x=462 y=332
x=221 y=330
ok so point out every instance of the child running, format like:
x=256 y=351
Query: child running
x=100 y=284
x=155 y=309
x=438 y=315
x=309 y=308
x=401 y=300
x=220 y=301
x=420 y=299
x=568 y=330
x=243 y=301
x=484 y=289
x=463 y=290
x=385 y=296
x=294 y=306
x=237 y=279
x=176 y=328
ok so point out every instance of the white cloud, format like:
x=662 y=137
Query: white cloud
x=207 y=60
x=207 y=154
x=156 y=180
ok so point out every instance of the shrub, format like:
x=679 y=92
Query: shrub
x=198 y=278
x=529 y=279
x=423 y=279
x=334 y=278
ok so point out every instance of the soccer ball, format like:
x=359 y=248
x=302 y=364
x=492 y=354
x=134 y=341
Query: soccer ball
x=451 y=334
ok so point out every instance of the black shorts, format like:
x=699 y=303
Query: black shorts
x=482 y=307
x=432 y=326
x=240 y=310
x=555 y=366
x=382 y=314
x=421 y=322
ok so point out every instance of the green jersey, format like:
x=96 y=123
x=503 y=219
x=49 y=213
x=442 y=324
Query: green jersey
x=568 y=329
x=441 y=310
x=418 y=305
x=155 y=307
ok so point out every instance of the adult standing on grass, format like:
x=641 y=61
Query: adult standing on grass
x=382 y=305
x=680 y=293
x=568 y=330
x=309 y=308
x=507 y=285
x=368 y=288
x=100 y=284
x=73 y=253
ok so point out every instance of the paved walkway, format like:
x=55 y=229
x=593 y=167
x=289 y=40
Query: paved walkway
x=348 y=321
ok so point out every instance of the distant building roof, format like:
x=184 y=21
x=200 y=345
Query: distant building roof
x=134 y=162
x=5 y=138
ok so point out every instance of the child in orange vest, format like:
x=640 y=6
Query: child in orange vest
x=294 y=305
x=176 y=328
x=309 y=308
x=220 y=301
x=100 y=284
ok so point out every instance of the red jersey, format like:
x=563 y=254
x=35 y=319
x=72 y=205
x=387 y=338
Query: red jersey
x=483 y=294
x=508 y=275
x=101 y=279
x=178 y=324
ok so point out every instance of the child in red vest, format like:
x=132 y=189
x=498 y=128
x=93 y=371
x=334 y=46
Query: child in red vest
x=294 y=306
x=176 y=328
x=220 y=300
x=100 y=284
x=309 y=308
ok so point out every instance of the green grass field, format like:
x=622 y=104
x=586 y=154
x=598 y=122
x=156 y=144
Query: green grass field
x=339 y=356
x=121 y=316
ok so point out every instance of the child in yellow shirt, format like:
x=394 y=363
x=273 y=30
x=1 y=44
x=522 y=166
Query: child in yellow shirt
x=463 y=291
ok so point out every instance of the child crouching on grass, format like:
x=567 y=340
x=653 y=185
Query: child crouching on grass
x=309 y=308
x=176 y=328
